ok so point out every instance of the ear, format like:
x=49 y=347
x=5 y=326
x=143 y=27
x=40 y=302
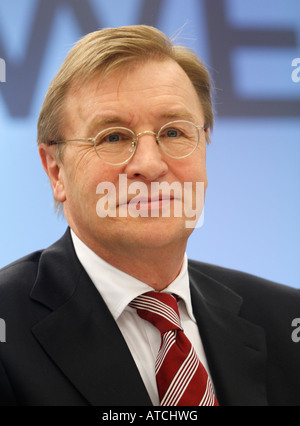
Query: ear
x=54 y=169
x=207 y=134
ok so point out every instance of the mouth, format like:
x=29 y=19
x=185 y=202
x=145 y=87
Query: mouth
x=137 y=199
x=153 y=203
x=156 y=203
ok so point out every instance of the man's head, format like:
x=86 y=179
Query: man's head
x=130 y=77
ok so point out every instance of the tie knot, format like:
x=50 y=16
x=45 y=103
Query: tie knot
x=160 y=309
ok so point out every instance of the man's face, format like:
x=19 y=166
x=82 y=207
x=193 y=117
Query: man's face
x=142 y=97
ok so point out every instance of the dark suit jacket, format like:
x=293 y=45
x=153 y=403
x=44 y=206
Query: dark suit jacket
x=64 y=348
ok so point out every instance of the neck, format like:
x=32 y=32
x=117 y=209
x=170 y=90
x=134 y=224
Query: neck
x=157 y=267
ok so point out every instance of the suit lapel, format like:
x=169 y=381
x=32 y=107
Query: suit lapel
x=80 y=335
x=235 y=348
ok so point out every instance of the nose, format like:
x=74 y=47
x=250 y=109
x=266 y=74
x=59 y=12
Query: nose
x=147 y=162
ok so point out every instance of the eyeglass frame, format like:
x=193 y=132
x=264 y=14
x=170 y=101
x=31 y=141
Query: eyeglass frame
x=135 y=140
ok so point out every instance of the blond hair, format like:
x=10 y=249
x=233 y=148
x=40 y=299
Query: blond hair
x=104 y=51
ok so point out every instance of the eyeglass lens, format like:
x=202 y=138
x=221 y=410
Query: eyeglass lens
x=177 y=139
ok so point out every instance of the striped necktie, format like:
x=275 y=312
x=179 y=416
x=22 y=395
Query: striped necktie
x=181 y=378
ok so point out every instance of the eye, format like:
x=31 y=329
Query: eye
x=172 y=133
x=111 y=137
x=115 y=137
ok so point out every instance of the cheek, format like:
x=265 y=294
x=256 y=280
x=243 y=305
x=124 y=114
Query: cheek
x=191 y=170
x=79 y=178
x=83 y=178
x=198 y=167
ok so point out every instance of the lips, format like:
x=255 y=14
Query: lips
x=147 y=201
x=154 y=203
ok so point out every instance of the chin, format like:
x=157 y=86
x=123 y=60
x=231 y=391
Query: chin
x=156 y=232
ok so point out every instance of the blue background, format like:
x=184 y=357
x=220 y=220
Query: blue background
x=253 y=204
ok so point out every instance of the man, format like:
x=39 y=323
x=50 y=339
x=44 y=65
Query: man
x=130 y=111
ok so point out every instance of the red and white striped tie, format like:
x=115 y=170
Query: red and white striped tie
x=181 y=378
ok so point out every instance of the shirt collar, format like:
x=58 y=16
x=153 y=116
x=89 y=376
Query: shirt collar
x=117 y=288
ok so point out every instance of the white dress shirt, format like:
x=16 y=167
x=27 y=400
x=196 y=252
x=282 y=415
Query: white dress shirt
x=118 y=289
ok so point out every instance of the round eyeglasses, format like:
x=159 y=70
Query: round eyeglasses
x=117 y=145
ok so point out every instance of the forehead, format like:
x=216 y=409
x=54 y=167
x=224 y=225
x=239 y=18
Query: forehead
x=142 y=91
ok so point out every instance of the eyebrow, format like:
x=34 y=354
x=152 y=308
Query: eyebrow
x=99 y=121
x=179 y=115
